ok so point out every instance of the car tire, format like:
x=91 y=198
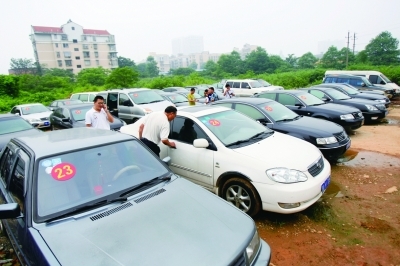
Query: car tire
x=242 y=194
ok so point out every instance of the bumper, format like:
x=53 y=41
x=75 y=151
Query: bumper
x=41 y=124
x=375 y=115
x=351 y=124
x=304 y=193
x=334 y=153
x=264 y=256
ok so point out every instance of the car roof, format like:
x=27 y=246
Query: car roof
x=200 y=110
x=246 y=100
x=318 y=87
x=61 y=141
x=77 y=106
x=66 y=100
x=28 y=104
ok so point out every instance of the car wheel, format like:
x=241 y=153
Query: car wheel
x=242 y=194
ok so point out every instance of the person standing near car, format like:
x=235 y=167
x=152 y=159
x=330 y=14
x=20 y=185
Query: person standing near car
x=99 y=116
x=191 y=98
x=155 y=127
x=228 y=93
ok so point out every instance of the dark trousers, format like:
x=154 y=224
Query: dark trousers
x=154 y=147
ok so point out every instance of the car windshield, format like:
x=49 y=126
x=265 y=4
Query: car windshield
x=350 y=91
x=310 y=99
x=264 y=83
x=144 y=97
x=177 y=98
x=13 y=124
x=385 y=78
x=70 y=102
x=277 y=111
x=33 y=109
x=255 y=84
x=366 y=81
x=78 y=114
x=231 y=126
x=69 y=181
x=337 y=94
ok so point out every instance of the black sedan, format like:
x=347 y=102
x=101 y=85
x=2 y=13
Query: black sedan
x=175 y=98
x=354 y=93
x=371 y=110
x=330 y=138
x=59 y=103
x=14 y=126
x=70 y=116
x=306 y=104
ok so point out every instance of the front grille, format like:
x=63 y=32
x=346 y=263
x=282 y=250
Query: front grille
x=44 y=118
x=341 y=136
x=380 y=106
x=316 y=167
x=239 y=261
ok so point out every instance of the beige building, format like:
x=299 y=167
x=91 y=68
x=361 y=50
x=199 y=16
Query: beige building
x=200 y=59
x=73 y=48
x=246 y=50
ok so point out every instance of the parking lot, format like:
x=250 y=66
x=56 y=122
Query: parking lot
x=357 y=221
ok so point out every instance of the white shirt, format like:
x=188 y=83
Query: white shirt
x=228 y=94
x=97 y=119
x=156 y=127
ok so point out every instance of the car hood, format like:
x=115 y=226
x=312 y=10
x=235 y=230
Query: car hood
x=374 y=92
x=369 y=96
x=158 y=106
x=360 y=101
x=5 y=138
x=339 y=109
x=116 y=124
x=311 y=126
x=280 y=150
x=184 y=224
x=37 y=115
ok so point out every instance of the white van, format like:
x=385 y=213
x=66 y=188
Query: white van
x=246 y=87
x=375 y=77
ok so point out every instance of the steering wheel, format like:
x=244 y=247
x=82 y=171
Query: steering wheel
x=125 y=169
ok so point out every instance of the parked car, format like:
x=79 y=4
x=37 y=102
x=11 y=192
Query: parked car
x=364 y=91
x=70 y=116
x=35 y=113
x=306 y=104
x=371 y=110
x=176 y=98
x=132 y=104
x=14 y=126
x=86 y=97
x=353 y=93
x=359 y=82
x=330 y=138
x=59 y=103
x=246 y=87
x=88 y=196
x=244 y=162
x=269 y=85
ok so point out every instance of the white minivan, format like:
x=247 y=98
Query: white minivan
x=375 y=77
x=247 y=87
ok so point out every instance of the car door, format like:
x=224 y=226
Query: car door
x=66 y=121
x=124 y=105
x=56 y=118
x=194 y=164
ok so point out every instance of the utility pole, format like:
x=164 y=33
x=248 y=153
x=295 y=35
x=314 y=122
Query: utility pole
x=347 y=50
x=354 y=42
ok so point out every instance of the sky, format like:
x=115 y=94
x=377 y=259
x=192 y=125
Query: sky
x=281 y=27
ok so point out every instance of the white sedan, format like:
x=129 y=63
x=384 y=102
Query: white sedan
x=244 y=162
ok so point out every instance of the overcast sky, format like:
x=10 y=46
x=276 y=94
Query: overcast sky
x=282 y=27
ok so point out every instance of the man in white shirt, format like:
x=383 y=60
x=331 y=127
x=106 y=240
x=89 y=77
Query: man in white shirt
x=99 y=116
x=228 y=93
x=155 y=128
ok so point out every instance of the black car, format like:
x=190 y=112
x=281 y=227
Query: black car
x=306 y=104
x=353 y=93
x=371 y=110
x=59 y=103
x=14 y=126
x=70 y=116
x=382 y=93
x=176 y=98
x=330 y=138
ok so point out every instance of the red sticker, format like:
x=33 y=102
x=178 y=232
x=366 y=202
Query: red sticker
x=135 y=95
x=303 y=97
x=214 y=122
x=63 y=171
x=67 y=103
x=77 y=112
x=26 y=108
x=268 y=108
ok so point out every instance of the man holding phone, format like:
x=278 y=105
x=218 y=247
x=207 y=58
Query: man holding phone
x=99 y=116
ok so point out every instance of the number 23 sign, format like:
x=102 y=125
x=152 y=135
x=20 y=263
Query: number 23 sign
x=63 y=171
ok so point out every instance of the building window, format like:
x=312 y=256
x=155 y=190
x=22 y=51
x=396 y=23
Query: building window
x=94 y=38
x=75 y=41
x=78 y=66
x=55 y=36
x=77 y=57
x=85 y=47
x=76 y=49
x=59 y=63
x=86 y=55
x=65 y=45
x=58 y=54
x=73 y=28
x=87 y=62
x=67 y=54
x=64 y=37
x=84 y=38
x=96 y=54
x=56 y=44
x=97 y=62
x=95 y=46
x=68 y=63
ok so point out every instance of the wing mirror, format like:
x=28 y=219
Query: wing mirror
x=325 y=99
x=65 y=120
x=363 y=84
x=9 y=211
x=298 y=105
x=167 y=160
x=200 y=143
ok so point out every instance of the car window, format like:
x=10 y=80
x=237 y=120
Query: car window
x=144 y=97
x=287 y=99
x=6 y=164
x=57 y=112
x=230 y=83
x=236 y=85
x=13 y=124
x=75 y=96
x=17 y=180
x=335 y=94
x=249 y=111
x=54 y=104
x=343 y=80
x=271 y=96
x=355 y=82
x=277 y=111
x=318 y=94
x=177 y=98
x=91 y=97
x=65 y=113
x=309 y=99
x=79 y=114
x=124 y=100
x=83 y=97
x=245 y=85
x=228 y=105
x=186 y=130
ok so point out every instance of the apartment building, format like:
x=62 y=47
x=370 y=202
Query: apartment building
x=200 y=59
x=246 y=50
x=187 y=45
x=73 y=48
x=163 y=62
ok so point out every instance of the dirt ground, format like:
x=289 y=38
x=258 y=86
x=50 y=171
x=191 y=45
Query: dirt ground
x=357 y=221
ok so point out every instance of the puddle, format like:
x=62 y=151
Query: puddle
x=367 y=158
x=332 y=191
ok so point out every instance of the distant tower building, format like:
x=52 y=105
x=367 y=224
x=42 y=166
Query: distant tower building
x=187 y=45
x=73 y=48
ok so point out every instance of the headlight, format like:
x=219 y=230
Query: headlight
x=380 y=101
x=34 y=120
x=329 y=140
x=348 y=116
x=147 y=111
x=252 y=248
x=285 y=175
x=371 y=107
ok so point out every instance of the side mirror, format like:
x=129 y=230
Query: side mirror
x=65 y=120
x=298 y=105
x=247 y=87
x=18 y=113
x=262 y=121
x=325 y=99
x=200 y=143
x=363 y=84
x=9 y=211
x=127 y=103
x=167 y=160
x=382 y=82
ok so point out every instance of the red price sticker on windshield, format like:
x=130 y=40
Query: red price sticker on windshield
x=67 y=103
x=303 y=97
x=268 y=108
x=77 y=112
x=63 y=171
x=214 y=122
x=135 y=95
x=26 y=108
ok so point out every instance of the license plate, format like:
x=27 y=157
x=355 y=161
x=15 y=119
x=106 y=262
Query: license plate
x=325 y=185
x=46 y=123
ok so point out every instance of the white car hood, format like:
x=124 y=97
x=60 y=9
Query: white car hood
x=282 y=151
x=37 y=115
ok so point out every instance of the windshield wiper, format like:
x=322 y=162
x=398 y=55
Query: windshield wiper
x=285 y=120
x=156 y=101
x=256 y=136
x=152 y=182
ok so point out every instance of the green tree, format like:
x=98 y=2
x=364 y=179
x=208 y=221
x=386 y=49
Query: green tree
x=58 y=72
x=9 y=85
x=292 y=60
x=184 y=71
x=307 y=60
x=151 y=67
x=343 y=53
x=361 y=57
x=331 y=59
x=23 y=66
x=125 y=62
x=122 y=77
x=258 y=61
x=383 y=50
x=141 y=68
x=231 y=63
x=193 y=65
x=92 y=76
